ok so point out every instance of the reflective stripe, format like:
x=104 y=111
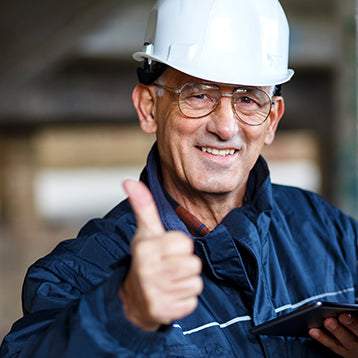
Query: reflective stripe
x=313 y=298
x=279 y=309
x=212 y=324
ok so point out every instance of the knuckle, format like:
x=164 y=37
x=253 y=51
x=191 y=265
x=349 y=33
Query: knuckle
x=197 y=286
x=194 y=286
x=191 y=264
x=192 y=304
x=161 y=312
x=184 y=308
x=200 y=285
x=198 y=264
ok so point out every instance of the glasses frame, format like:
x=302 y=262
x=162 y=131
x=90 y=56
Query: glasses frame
x=178 y=91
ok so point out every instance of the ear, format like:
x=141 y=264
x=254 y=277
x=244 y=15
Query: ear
x=276 y=114
x=144 y=102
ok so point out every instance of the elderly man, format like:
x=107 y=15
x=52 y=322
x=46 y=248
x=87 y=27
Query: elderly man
x=206 y=247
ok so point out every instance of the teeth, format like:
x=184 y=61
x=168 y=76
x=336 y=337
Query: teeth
x=221 y=153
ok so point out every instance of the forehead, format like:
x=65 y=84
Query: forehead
x=176 y=79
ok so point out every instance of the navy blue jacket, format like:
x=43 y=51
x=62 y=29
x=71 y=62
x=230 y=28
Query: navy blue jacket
x=284 y=248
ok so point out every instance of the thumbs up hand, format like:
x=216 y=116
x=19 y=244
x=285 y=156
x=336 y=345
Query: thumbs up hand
x=163 y=282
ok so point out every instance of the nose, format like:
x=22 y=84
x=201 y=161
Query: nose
x=223 y=121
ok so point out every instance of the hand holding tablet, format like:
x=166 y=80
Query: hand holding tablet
x=300 y=321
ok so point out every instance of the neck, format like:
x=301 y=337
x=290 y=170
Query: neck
x=209 y=208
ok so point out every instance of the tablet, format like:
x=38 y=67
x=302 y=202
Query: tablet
x=298 y=322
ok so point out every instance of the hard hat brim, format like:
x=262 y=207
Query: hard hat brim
x=217 y=76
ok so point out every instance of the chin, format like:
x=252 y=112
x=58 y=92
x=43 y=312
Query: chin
x=216 y=187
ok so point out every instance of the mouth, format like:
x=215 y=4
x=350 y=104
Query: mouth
x=218 y=152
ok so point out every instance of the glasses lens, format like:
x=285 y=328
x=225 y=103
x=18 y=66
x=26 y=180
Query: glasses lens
x=252 y=105
x=197 y=100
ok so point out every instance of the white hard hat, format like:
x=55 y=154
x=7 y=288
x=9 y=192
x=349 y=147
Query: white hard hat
x=228 y=41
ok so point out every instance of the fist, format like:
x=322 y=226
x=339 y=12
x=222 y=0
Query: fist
x=163 y=282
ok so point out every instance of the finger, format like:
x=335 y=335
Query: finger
x=144 y=208
x=344 y=336
x=176 y=310
x=337 y=338
x=350 y=321
x=184 y=289
x=182 y=267
x=327 y=340
x=183 y=308
x=176 y=243
x=347 y=332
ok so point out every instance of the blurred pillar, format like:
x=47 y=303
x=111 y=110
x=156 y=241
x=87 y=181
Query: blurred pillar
x=16 y=179
x=17 y=218
x=346 y=126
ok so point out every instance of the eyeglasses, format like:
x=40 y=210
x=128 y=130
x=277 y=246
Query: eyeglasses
x=196 y=100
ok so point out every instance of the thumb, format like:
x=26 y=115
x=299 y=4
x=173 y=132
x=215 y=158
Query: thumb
x=144 y=208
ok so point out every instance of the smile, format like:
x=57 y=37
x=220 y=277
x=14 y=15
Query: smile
x=218 y=152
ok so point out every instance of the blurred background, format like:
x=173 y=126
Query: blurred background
x=69 y=134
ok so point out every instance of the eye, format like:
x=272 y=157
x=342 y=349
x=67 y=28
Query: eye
x=250 y=98
x=247 y=100
x=200 y=96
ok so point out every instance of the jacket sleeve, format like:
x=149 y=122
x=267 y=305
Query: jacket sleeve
x=72 y=308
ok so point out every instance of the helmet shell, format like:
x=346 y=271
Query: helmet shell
x=242 y=42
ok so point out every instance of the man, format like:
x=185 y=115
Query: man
x=206 y=247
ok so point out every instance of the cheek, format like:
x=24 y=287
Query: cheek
x=259 y=135
x=173 y=127
x=164 y=122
